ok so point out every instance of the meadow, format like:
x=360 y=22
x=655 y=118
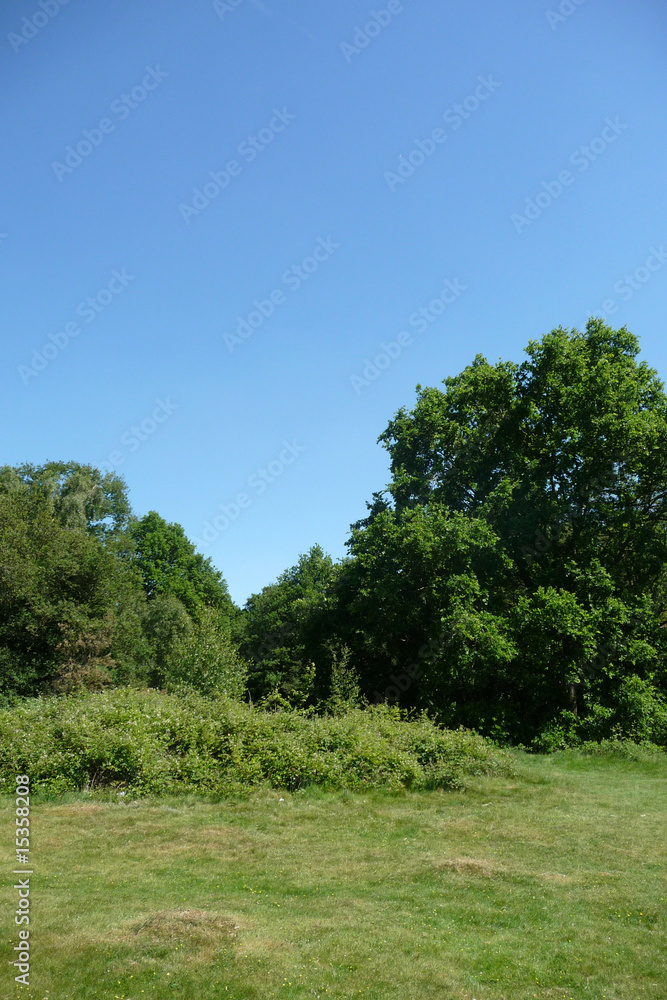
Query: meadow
x=548 y=882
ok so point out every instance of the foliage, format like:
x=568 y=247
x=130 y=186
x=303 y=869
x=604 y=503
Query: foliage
x=207 y=660
x=512 y=577
x=169 y=564
x=168 y=627
x=344 y=689
x=80 y=497
x=90 y=596
x=525 y=531
x=285 y=631
x=427 y=584
x=638 y=716
x=58 y=581
x=154 y=742
x=86 y=663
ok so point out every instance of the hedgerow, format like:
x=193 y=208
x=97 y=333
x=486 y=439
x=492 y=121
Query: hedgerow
x=149 y=742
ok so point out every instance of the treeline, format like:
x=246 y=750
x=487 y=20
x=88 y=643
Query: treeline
x=511 y=577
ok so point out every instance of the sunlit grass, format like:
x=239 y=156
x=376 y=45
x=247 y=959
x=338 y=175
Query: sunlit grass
x=552 y=884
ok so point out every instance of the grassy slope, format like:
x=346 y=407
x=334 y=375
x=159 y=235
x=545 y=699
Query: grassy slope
x=550 y=885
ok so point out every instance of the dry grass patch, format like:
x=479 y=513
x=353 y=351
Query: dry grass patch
x=471 y=866
x=490 y=868
x=199 y=932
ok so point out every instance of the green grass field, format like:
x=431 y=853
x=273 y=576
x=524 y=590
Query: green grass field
x=552 y=884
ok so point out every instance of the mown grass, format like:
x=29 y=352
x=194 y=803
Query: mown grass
x=551 y=884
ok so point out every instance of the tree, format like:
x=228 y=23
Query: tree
x=526 y=519
x=208 y=661
x=285 y=631
x=90 y=595
x=168 y=628
x=169 y=564
x=79 y=496
x=428 y=606
x=59 y=585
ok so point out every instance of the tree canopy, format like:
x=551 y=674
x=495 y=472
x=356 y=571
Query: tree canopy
x=524 y=529
x=91 y=595
x=169 y=564
x=285 y=629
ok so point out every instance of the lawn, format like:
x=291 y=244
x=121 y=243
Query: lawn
x=551 y=884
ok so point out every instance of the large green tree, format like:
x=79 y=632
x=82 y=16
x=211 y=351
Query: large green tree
x=63 y=582
x=78 y=496
x=169 y=564
x=524 y=533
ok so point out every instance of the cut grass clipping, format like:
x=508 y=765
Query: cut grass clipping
x=146 y=742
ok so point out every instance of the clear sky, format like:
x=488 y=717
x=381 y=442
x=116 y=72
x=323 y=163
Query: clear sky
x=215 y=215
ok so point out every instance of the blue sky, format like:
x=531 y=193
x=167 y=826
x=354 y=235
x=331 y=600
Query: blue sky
x=215 y=215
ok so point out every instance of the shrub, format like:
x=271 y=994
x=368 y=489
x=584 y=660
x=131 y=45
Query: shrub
x=639 y=715
x=152 y=742
x=208 y=661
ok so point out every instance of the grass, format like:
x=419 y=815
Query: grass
x=551 y=884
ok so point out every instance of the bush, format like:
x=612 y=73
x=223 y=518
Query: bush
x=642 y=711
x=344 y=689
x=623 y=749
x=151 y=742
x=639 y=715
x=207 y=660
